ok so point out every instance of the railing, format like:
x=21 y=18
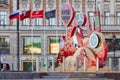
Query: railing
x=111 y=64
x=28 y=28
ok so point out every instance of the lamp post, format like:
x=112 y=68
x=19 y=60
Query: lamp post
x=114 y=43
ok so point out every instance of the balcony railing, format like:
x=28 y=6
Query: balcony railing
x=104 y=28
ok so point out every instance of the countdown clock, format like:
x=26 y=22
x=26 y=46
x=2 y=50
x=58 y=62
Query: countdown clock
x=94 y=40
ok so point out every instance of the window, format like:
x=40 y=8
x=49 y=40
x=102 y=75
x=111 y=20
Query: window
x=64 y=0
x=26 y=22
x=91 y=0
x=38 y=22
x=4 y=1
x=54 y=45
x=111 y=45
x=117 y=0
x=106 y=0
x=107 y=18
x=118 y=18
x=51 y=21
x=5 y=45
x=31 y=45
x=91 y=14
x=3 y=18
x=77 y=0
x=51 y=0
x=27 y=66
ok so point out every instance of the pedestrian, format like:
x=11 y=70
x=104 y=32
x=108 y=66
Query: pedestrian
x=4 y=67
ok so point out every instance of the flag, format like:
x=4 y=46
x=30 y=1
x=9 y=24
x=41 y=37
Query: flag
x=26 y=14
x=50 y=14
x=97 y=15
x=14 y=15
x=37 y=14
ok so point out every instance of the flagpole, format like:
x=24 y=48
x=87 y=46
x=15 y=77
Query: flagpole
x=95 y=5
x=31 y=36
x=18 y=55
x=44 y=55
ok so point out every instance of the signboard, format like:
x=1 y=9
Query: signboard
x=3 y=52
x=67 y=14
x=3 y=56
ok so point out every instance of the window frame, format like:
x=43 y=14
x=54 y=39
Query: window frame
x=4 y=20
x=50 y=37
x=38 y=22
x=5 y=47
x=107 y=18
x=30 y=38
x=117 y=17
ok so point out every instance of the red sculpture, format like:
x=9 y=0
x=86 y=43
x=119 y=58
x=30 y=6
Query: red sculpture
x=91 y=48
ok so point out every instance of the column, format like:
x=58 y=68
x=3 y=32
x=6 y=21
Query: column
x=37 y=64
x=119 y=63
x=53 y=63
x=112 y=10
x=46 y=63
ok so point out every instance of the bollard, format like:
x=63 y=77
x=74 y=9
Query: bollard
x=37 y=64
x=53 y=64
x=110 y=64
x=97 y=64
x=84 y=64
x=63 y=64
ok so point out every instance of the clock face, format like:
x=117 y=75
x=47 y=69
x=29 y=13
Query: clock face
x=94 y=41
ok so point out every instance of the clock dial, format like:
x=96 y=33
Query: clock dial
x=94 y=41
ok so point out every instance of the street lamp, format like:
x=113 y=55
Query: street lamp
x=114 y=43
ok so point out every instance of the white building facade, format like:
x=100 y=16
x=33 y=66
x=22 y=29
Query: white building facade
x=36 y=36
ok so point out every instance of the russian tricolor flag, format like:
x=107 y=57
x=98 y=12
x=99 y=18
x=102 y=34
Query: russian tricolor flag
x=14 y=15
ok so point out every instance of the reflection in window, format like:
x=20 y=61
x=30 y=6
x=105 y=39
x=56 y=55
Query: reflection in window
x=32 y=45
x=106 y=0
x=5 y=45
x=91 y=14
x=54 y=45
x=107 y=18
x=64 y=0
x=117 y=0
x=91 y=0
x=27 y=66
x=3 y=18
x=38 y=22
x=118 y=18
x=77 y=0
x=51 y=21
x=111 y=45
x=26 y=22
